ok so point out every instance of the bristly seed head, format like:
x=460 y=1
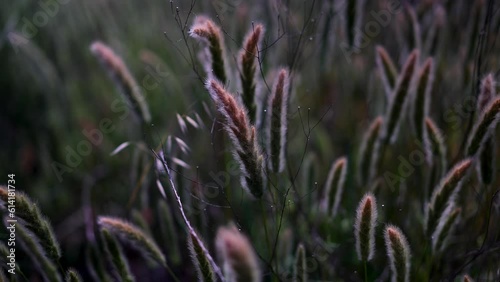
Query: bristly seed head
x=387 y=70
x=207 y=31
x=484 y=125
x=248 y=79
x=445 y=193
x=119 y=72
x=278 y=122
x=243 y=136
x=364 y=227
x=398 y=251
x=369 y=152
x=334 y=186
x=395 y=112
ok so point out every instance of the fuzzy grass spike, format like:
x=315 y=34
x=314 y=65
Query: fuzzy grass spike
x=387 y=70
x=395 y=112
x=278 y=123
x=200 y=259
x=243 y=136
x=27 y=210
x=123 y=79
x=248 y=74
x=483 y=127
x=445 y=193
x=364 y=227
x=369 y=152
x=334 y=186
x=398 y=251
x=205 y=30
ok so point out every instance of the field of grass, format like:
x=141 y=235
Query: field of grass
x=231 y=140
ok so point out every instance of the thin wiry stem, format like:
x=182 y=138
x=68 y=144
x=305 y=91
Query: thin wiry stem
x=188 y=224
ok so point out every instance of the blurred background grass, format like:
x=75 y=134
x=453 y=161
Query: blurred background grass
x=54 y=89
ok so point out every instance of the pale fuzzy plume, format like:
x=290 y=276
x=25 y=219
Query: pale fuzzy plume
x=208 y=32
x=243 y=137
x=421 y=102
x=300 y=267
x=395 y=112
x=445 y=228
x=364 y=227
x=369 y=152
x=445 y=194
x=247 y=63
x=200 y=259
x=133 y=236
x=278 y=122
x=240 y=261
x=438 y=146
x=398 y=251
x=124 y=80
x=334 y=186
x=483 y=127
x=387 y=69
